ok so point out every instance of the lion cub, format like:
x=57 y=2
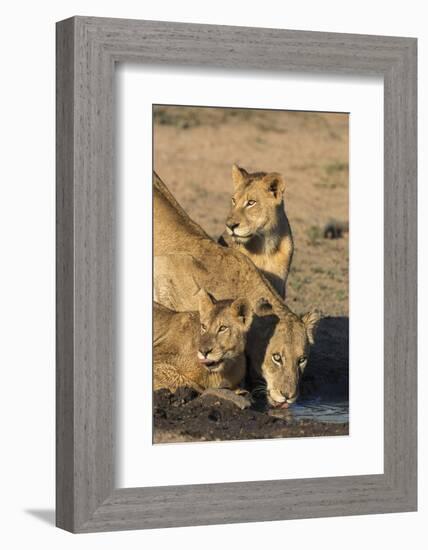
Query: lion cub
x=257 y=224
x=201 y=349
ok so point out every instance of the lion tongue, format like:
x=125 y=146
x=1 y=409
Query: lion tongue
x=284 y=405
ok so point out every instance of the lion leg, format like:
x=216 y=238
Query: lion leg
x=167 y=376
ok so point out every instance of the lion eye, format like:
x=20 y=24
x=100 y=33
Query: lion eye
x=203 y=328
x=222 y=328
x=276 y=358
x=250 y=203
x=302 y=361
x=233 y=202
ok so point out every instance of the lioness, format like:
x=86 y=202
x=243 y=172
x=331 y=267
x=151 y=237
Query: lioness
x=186 y=259
x=201 y=349
x=257 y=224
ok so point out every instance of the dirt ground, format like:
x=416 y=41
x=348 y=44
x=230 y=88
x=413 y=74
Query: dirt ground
x=194 y=149
x=185 y=416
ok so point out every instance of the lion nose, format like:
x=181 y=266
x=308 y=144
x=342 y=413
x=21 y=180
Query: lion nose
x=205 y=352
x=290 y=396
x=232 y=225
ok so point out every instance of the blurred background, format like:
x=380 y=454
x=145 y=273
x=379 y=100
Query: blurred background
x=195 y=147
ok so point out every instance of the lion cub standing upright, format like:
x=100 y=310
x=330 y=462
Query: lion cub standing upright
x=202 y=349
x=257 y=224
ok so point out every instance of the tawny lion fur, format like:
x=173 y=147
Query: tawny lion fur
x=257 y=224
x=201 y=349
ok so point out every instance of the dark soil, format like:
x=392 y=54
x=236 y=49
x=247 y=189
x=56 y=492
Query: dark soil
x=185 y=416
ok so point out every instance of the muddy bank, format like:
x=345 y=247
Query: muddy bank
x=186 y=416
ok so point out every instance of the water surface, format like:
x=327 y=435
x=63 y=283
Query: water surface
x=315 y=409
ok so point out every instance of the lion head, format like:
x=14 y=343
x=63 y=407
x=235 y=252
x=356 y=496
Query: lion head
x=280 y=348
x=257 y=202
x=224 y=327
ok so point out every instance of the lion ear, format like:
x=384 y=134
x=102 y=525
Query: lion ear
x=241 y=309
x=311 y=321
x=239 y=175
x=274 y=184
x=206 y=301
x=263 y=307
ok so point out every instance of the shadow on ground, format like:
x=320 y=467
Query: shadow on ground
x=327 y=373
x=43 y=514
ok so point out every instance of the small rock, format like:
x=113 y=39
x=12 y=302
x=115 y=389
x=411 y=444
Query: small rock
x=239 y=400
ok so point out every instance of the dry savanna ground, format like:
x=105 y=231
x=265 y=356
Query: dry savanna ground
x=194 y=149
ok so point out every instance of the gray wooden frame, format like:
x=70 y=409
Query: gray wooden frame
x=87 y=50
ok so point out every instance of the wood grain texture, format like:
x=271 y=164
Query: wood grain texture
x=87 y=49
x=64 y=277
